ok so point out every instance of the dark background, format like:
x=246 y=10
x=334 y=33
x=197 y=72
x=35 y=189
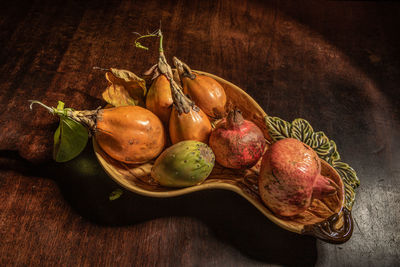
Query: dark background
x=335 y=64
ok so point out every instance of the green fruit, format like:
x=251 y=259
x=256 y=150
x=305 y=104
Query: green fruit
x=184 y=164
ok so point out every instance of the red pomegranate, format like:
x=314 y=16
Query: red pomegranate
x=290 y=177
x=237 y=143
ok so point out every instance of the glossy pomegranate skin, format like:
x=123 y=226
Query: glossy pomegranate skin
x=237 y=143
x=290 y=173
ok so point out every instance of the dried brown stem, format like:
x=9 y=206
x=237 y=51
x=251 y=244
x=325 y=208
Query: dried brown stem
x=182 y=103
x=85 y=117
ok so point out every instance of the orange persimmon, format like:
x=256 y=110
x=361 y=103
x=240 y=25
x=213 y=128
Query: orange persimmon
x=193 y=125
x=205 y=91
x=130 y=134
x=159 y=99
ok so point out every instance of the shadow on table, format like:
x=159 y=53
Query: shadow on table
x=233 y=220
x=87 y=187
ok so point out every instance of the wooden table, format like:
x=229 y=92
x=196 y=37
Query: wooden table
x=335 y=64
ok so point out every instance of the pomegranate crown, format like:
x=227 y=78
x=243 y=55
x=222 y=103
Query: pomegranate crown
x=234 y=118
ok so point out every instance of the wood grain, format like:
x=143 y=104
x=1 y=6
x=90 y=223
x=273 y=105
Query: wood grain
x=336 y=64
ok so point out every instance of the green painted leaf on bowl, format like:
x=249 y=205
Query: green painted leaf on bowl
x=301 y=130
x=278 y=128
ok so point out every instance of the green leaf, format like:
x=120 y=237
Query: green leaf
x=70 y=139
x=115 y=194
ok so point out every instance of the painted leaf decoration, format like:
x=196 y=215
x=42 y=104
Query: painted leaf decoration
x=277 y=128
x=350 y=182
x=301 y=130
x=125 y=88
x=70 y=139
x=320 y=143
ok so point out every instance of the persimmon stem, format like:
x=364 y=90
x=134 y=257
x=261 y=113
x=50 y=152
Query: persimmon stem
x=100 y=68
x=40 y=103
x=49 y=109
x=182 y=103
x=85 y=117
x=160 y=49
x=154 y=34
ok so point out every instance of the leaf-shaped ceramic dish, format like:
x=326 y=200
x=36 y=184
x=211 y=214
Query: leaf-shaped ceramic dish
x=328 y=219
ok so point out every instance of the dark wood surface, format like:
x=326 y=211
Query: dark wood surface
x=335 y=64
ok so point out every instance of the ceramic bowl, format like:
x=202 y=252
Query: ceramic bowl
x=328 y=219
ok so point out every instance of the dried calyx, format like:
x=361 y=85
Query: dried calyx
x=183 y=69
x=234 y=119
